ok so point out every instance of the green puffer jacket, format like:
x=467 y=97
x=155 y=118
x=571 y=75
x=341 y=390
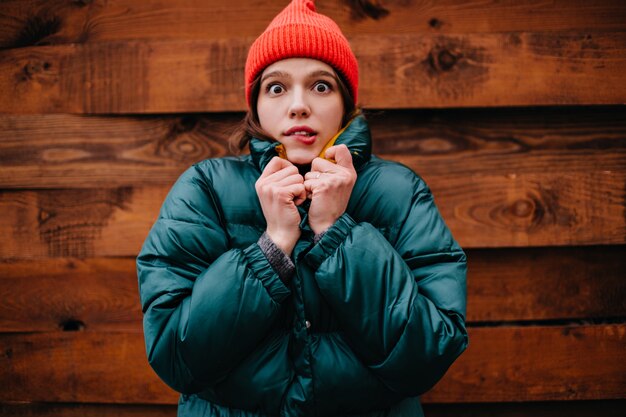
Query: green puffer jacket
x=372 y=318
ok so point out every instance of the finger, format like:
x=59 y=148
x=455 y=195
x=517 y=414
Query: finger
x=341 y=154
x=275 y=165
x=322 y=165
x=288 y=180
x=300 y=198
x=296 y=192
x=310 y=185
x=286 y=172
x=312 y=175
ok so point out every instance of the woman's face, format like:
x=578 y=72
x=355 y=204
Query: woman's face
x=300 y=106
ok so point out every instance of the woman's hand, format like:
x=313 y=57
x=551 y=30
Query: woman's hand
x=280 y=189
x=329 y=186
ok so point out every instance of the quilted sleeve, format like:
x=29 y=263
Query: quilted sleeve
x=401 y=306
x=206 y=307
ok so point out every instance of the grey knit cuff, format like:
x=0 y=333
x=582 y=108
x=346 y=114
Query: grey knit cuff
x=281 y=263
x=319 y=237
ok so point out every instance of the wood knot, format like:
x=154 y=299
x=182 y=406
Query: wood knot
x=363 y=9
x=72 y=325
x=435 y=23
x=442 y=59
x=44 y=216
x=186 y=147
x=446 y=60
x=185 y=124
x=522 y=208
x=37 y=30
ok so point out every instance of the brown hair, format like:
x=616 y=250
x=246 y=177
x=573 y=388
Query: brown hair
x=250 y=127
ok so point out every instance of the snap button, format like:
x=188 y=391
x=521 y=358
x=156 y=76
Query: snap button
x=307 y=324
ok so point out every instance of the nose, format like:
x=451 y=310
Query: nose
x=299 y=106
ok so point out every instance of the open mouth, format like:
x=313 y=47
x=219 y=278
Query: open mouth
x=303 y=131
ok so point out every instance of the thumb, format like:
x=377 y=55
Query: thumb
x=341 y=154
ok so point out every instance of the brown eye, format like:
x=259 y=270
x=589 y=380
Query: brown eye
x=274 y=89
x=322 y=87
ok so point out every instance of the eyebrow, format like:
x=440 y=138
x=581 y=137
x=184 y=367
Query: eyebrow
x=280 y=74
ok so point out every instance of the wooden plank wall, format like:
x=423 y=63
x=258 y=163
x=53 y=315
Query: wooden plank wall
x=513 y=112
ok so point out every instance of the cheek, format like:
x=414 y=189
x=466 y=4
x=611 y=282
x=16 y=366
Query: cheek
x=266 y=115
x=334 y=114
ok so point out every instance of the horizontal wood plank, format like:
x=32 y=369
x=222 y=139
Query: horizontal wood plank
x=501 y=364
x=36 y=22
x=537 y=364
x=490 y=211
x=85 y=410
x=65 y=151
x=532 y=284
x=52 y=294
x=606 y=408
x=77 y=223
x=79 y=367
x=533 y=210
x=396 y=71
x=504 y=285
x=62 y=150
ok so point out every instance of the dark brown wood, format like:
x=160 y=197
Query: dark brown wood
x=79 y=366
x=396 y=71
x=503 y=141
x=61 y=150
x=77 y=223
x=55 y=294
x=537 y=364
x=514 y=285
x=86 y=410
x=493 y=211
x=64 y=151
x=534 y=284
x=609 y=408
x=501 y=364
x=533 y=210
x=606 y=408
x=36 y=22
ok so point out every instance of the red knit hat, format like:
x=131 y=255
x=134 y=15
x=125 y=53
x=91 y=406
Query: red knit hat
x=299 y=32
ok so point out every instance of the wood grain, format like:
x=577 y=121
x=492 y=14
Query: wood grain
x=86 y=410
x=64 y=151
x=52 y=294
x=606 y=408
x=533 y=210
x=504 y=285
x=532 y=284
x=488 y=211
x=502 y=363
x=537 y=363
x=77 y=223
x=79 y=367
x=396 y=71
x=37 y=22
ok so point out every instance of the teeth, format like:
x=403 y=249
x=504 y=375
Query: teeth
x=302 y=133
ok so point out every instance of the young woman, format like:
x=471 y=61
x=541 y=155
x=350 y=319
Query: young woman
x=309 y=278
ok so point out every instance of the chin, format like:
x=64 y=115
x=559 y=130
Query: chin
x=298 y=159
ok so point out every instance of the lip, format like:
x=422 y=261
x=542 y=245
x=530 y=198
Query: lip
x=304 y=139
x=299 y=129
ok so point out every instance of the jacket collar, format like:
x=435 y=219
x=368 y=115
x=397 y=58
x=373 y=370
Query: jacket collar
x=356 y=136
